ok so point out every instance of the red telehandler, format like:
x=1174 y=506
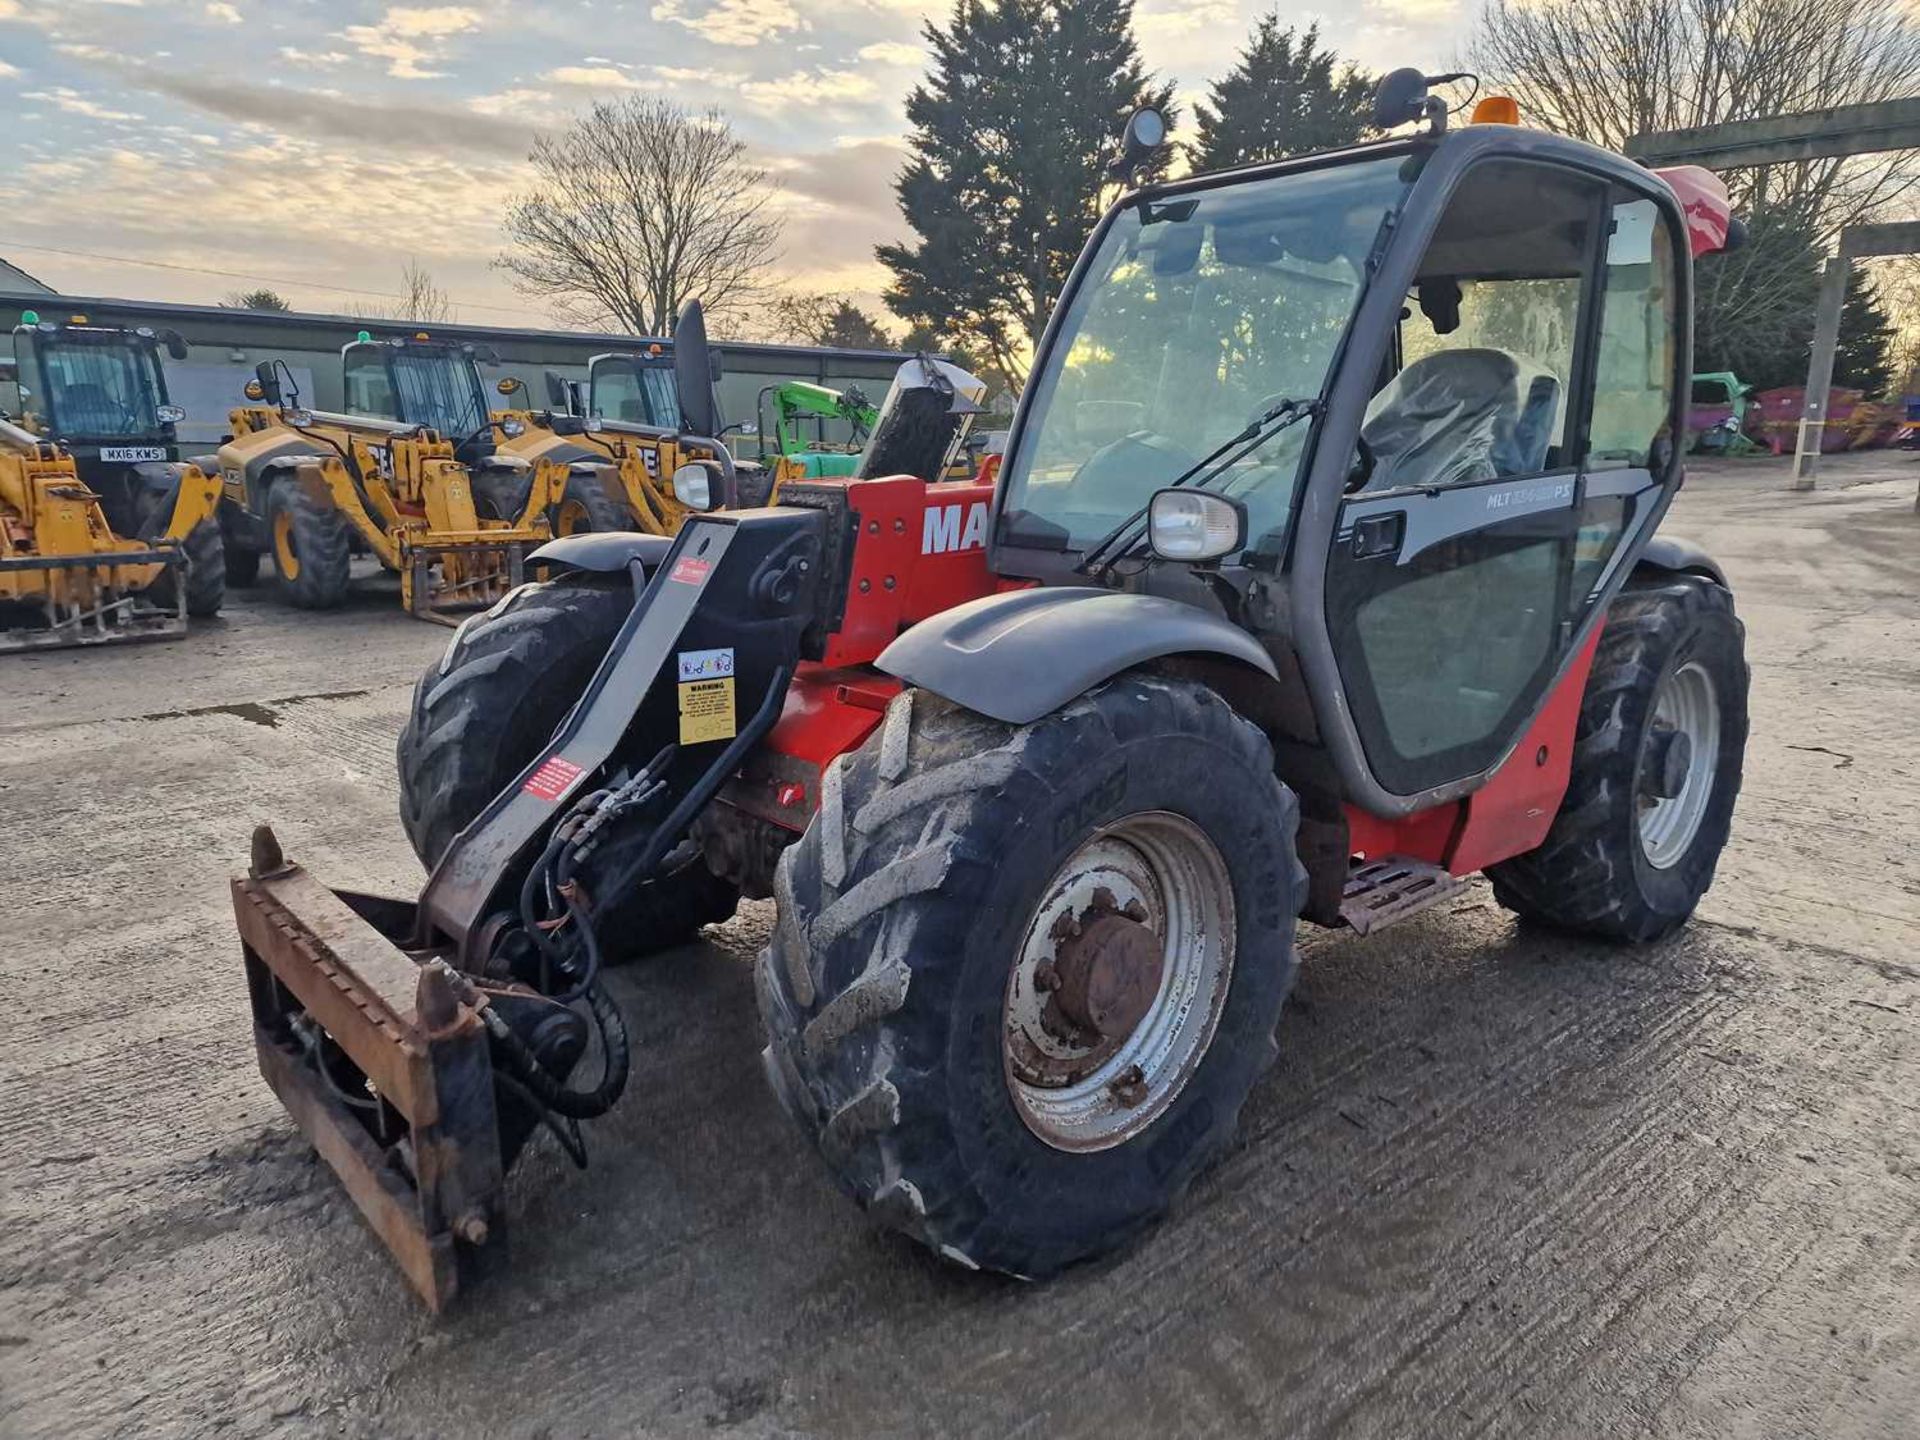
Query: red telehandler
x=1320 y=573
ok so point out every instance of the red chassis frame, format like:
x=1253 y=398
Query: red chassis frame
x=921 y=549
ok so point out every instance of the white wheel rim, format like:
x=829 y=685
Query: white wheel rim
x=1686 y=703
x=1164 y=865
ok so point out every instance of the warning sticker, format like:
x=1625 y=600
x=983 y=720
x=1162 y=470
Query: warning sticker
x=706 y=711
x=705 y=664
x=690 y=570
x=553 y=777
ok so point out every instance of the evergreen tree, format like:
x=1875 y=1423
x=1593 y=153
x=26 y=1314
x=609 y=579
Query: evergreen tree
x=1864 y=357
x=1285 y=97
x=1012 y=130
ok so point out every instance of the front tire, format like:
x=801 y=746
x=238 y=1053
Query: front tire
x=485 y=711
x=206 y=553
x=590 y=507
x=902 y=989
x=1640 y=832
x=312 y=543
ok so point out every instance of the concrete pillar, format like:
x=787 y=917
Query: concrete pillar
x=1826 y=337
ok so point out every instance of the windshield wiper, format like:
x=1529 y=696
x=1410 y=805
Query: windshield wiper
x=1121 y=540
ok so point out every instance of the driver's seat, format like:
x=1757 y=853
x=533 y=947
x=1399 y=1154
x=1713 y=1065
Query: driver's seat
x=1442 y=420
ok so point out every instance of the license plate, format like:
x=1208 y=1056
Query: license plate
x=132 y=453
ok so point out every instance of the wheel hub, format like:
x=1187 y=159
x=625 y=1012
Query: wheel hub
x=1668 y=763
x=1105 y=973
x=1119 y=981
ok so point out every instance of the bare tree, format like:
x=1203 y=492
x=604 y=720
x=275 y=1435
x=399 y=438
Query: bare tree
x=636 y=207
x=425 y=300
x=1606 y=72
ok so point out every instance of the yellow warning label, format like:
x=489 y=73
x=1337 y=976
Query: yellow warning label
x=706 y=711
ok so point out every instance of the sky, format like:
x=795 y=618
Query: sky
x=318 y=147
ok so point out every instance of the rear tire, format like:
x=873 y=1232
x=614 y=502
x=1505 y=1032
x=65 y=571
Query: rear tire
x=243 y=565
x=481 y=715
x=590 y=507
x=895 y=991
x=1611 y=866
x=312 y=543
x=205 y=550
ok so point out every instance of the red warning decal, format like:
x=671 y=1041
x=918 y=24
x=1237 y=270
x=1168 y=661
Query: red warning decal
x=553 y=777
x=690 y=570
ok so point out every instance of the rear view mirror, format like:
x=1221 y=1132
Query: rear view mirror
x=693 y=371
x=1400 y=99
x=266 y=381
x=176 y=347
x=253 y=390
x=556 y=392
x=509 y=385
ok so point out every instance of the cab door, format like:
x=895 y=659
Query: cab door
x=1503 y=466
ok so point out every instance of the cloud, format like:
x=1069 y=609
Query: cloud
x=314 y=59
x=593 y=77
x=733 y=22
x=1414 y=12
x=894 y=52
x=7 y=71
x=407 y=35
x=816 y=88
x=446 y=129
x=224 y=13
x=9 y=9
x=74 y=103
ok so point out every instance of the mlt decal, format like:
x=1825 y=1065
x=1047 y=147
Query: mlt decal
x=945 y=533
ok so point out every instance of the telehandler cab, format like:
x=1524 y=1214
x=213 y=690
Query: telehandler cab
x=1321 y=573
x=610 y=454
x=105 y=533
x=411 y=475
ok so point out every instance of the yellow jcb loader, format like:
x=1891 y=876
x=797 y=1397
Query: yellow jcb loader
x=105 y=534
x=425 y=495
x=612 y=452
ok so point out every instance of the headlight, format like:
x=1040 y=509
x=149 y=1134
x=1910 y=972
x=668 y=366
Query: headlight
x=170 y=414
x=299 y=419
x=512 y=429
x=1194 y=525
x=693 y=487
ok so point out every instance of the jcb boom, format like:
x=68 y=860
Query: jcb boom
x=311 y=487
x=105 y=534
x=1320 y=575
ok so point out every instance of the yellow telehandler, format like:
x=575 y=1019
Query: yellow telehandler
x=105 y=534
x=611 y=452
x=427 y=495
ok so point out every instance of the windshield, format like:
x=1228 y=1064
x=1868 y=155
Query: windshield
x=96 y=390
x=439 y=389
x=1199 y=313
x=624 y=389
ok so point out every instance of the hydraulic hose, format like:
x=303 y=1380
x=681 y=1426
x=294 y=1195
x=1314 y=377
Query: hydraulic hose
x=552 y=1093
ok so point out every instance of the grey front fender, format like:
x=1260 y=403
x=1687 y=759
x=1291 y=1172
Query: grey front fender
x=1018 y=656
x=1680 y=557
x=604 y=551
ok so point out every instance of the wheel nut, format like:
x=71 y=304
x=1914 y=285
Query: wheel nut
x=1129 y=1087
x=1046 y=979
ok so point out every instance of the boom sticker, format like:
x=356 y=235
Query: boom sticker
x=705 y=664
x=553 y=777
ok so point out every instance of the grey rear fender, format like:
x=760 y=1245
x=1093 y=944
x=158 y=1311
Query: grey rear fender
x=1019 y=656
x=605 y=552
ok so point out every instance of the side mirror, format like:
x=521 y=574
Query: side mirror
x=176 y=347
x=509 y=385
x=268 y=381
x=693 y=371
x=1400 y=99
x=557 y=392
x=696 y=486
x=253 y=390
x=1195 y=526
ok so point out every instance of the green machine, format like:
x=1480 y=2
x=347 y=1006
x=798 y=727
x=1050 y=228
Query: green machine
x=795 y=402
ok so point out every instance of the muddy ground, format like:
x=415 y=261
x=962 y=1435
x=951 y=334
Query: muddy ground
x=1497 y=1184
